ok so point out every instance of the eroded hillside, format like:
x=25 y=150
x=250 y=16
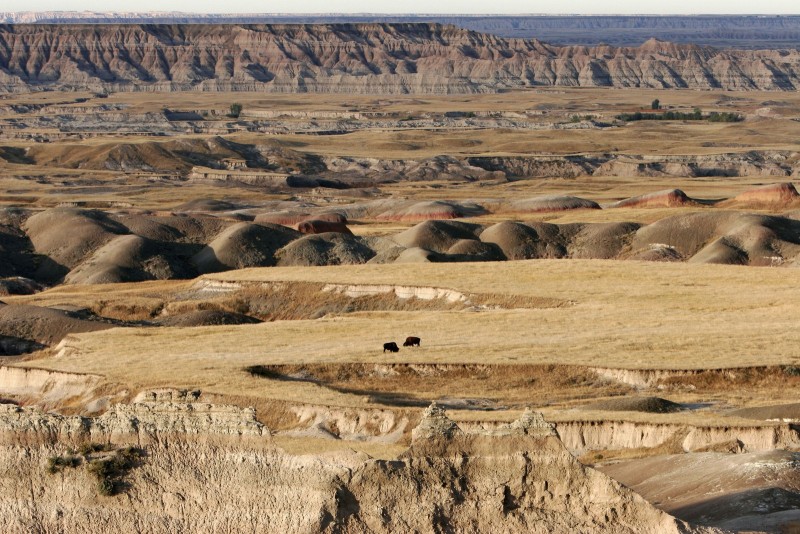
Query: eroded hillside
x=359 y=58
x=198 y=466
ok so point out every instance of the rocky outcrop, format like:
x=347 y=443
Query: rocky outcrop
x=360 y=58
x=47 y=388
x=140 y=422
x=738 y=31
x=435 y=424
x=207 y=468
x=582 y=436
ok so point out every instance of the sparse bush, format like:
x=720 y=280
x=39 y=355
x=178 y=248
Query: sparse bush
x=655 y=104
x=111 y=472
x=725 y=117
x=235 y=110
x=56 y=463
x=792 y=370
x=106 y=487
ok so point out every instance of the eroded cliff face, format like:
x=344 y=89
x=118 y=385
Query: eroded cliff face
x=213 y=468
x=360 y=58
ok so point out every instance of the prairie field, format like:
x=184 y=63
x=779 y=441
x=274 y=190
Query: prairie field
x=607 y=314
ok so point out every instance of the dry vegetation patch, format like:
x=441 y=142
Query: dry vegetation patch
x=479 y=387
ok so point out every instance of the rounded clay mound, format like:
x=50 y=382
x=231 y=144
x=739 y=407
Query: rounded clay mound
x=432 y=210
x=198 y=229
x=419 y=255
x=780 y=194
x=119 y=260
x=67 y=236
x=387 y=255
x=521 y=241
x=669 y=198
x=657 y=253
x=293 y=218
x=131 y=258
x=315 y=226
x=724 y=251
x=43 y=325
x=437 y=236
x=243 y=245
x=723 y=237
x=325 y=249
x=553 y=203
x=148 y=226
x=687 y=234
x=18 y=285
x=602 y=241
x=284 y=218
x=476 y=250
x=636 y=404
x=331 y=217
x=206 y=318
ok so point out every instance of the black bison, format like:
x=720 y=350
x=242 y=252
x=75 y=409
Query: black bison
x=391 y=347
x=411 y=341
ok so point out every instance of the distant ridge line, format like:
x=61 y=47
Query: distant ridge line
x=360 y=58
x=725 y=31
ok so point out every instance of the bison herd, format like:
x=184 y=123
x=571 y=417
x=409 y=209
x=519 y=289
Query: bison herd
x=410 y=341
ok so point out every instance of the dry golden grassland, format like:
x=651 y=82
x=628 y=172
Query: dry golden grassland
x=575 y=100
x=623 y=314
x=603 y=313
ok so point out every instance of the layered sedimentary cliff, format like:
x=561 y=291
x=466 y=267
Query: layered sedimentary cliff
x=359 y=58
x=203 y=467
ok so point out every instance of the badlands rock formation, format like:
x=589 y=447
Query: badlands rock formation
x=359 y=58
x=771 y=194
x=667 y=199
x=208 y=467
x=79 y=246
x=738 y=31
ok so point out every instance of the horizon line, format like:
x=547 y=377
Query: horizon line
x=376 y=14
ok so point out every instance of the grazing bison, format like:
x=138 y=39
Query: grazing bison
x=391 y=347
x=411 y=341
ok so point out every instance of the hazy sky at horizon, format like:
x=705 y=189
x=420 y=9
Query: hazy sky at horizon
x=590 y=7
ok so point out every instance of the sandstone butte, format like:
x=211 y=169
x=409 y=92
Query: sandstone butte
x=360 y=58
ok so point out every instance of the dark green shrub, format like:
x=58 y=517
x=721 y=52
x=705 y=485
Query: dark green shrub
x=235 y=110
x=106 y=487
x=110 y=472
x=792 y=370
x=56 y=463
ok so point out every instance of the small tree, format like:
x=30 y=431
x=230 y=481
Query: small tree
x=655 y=104
x=236 y=110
